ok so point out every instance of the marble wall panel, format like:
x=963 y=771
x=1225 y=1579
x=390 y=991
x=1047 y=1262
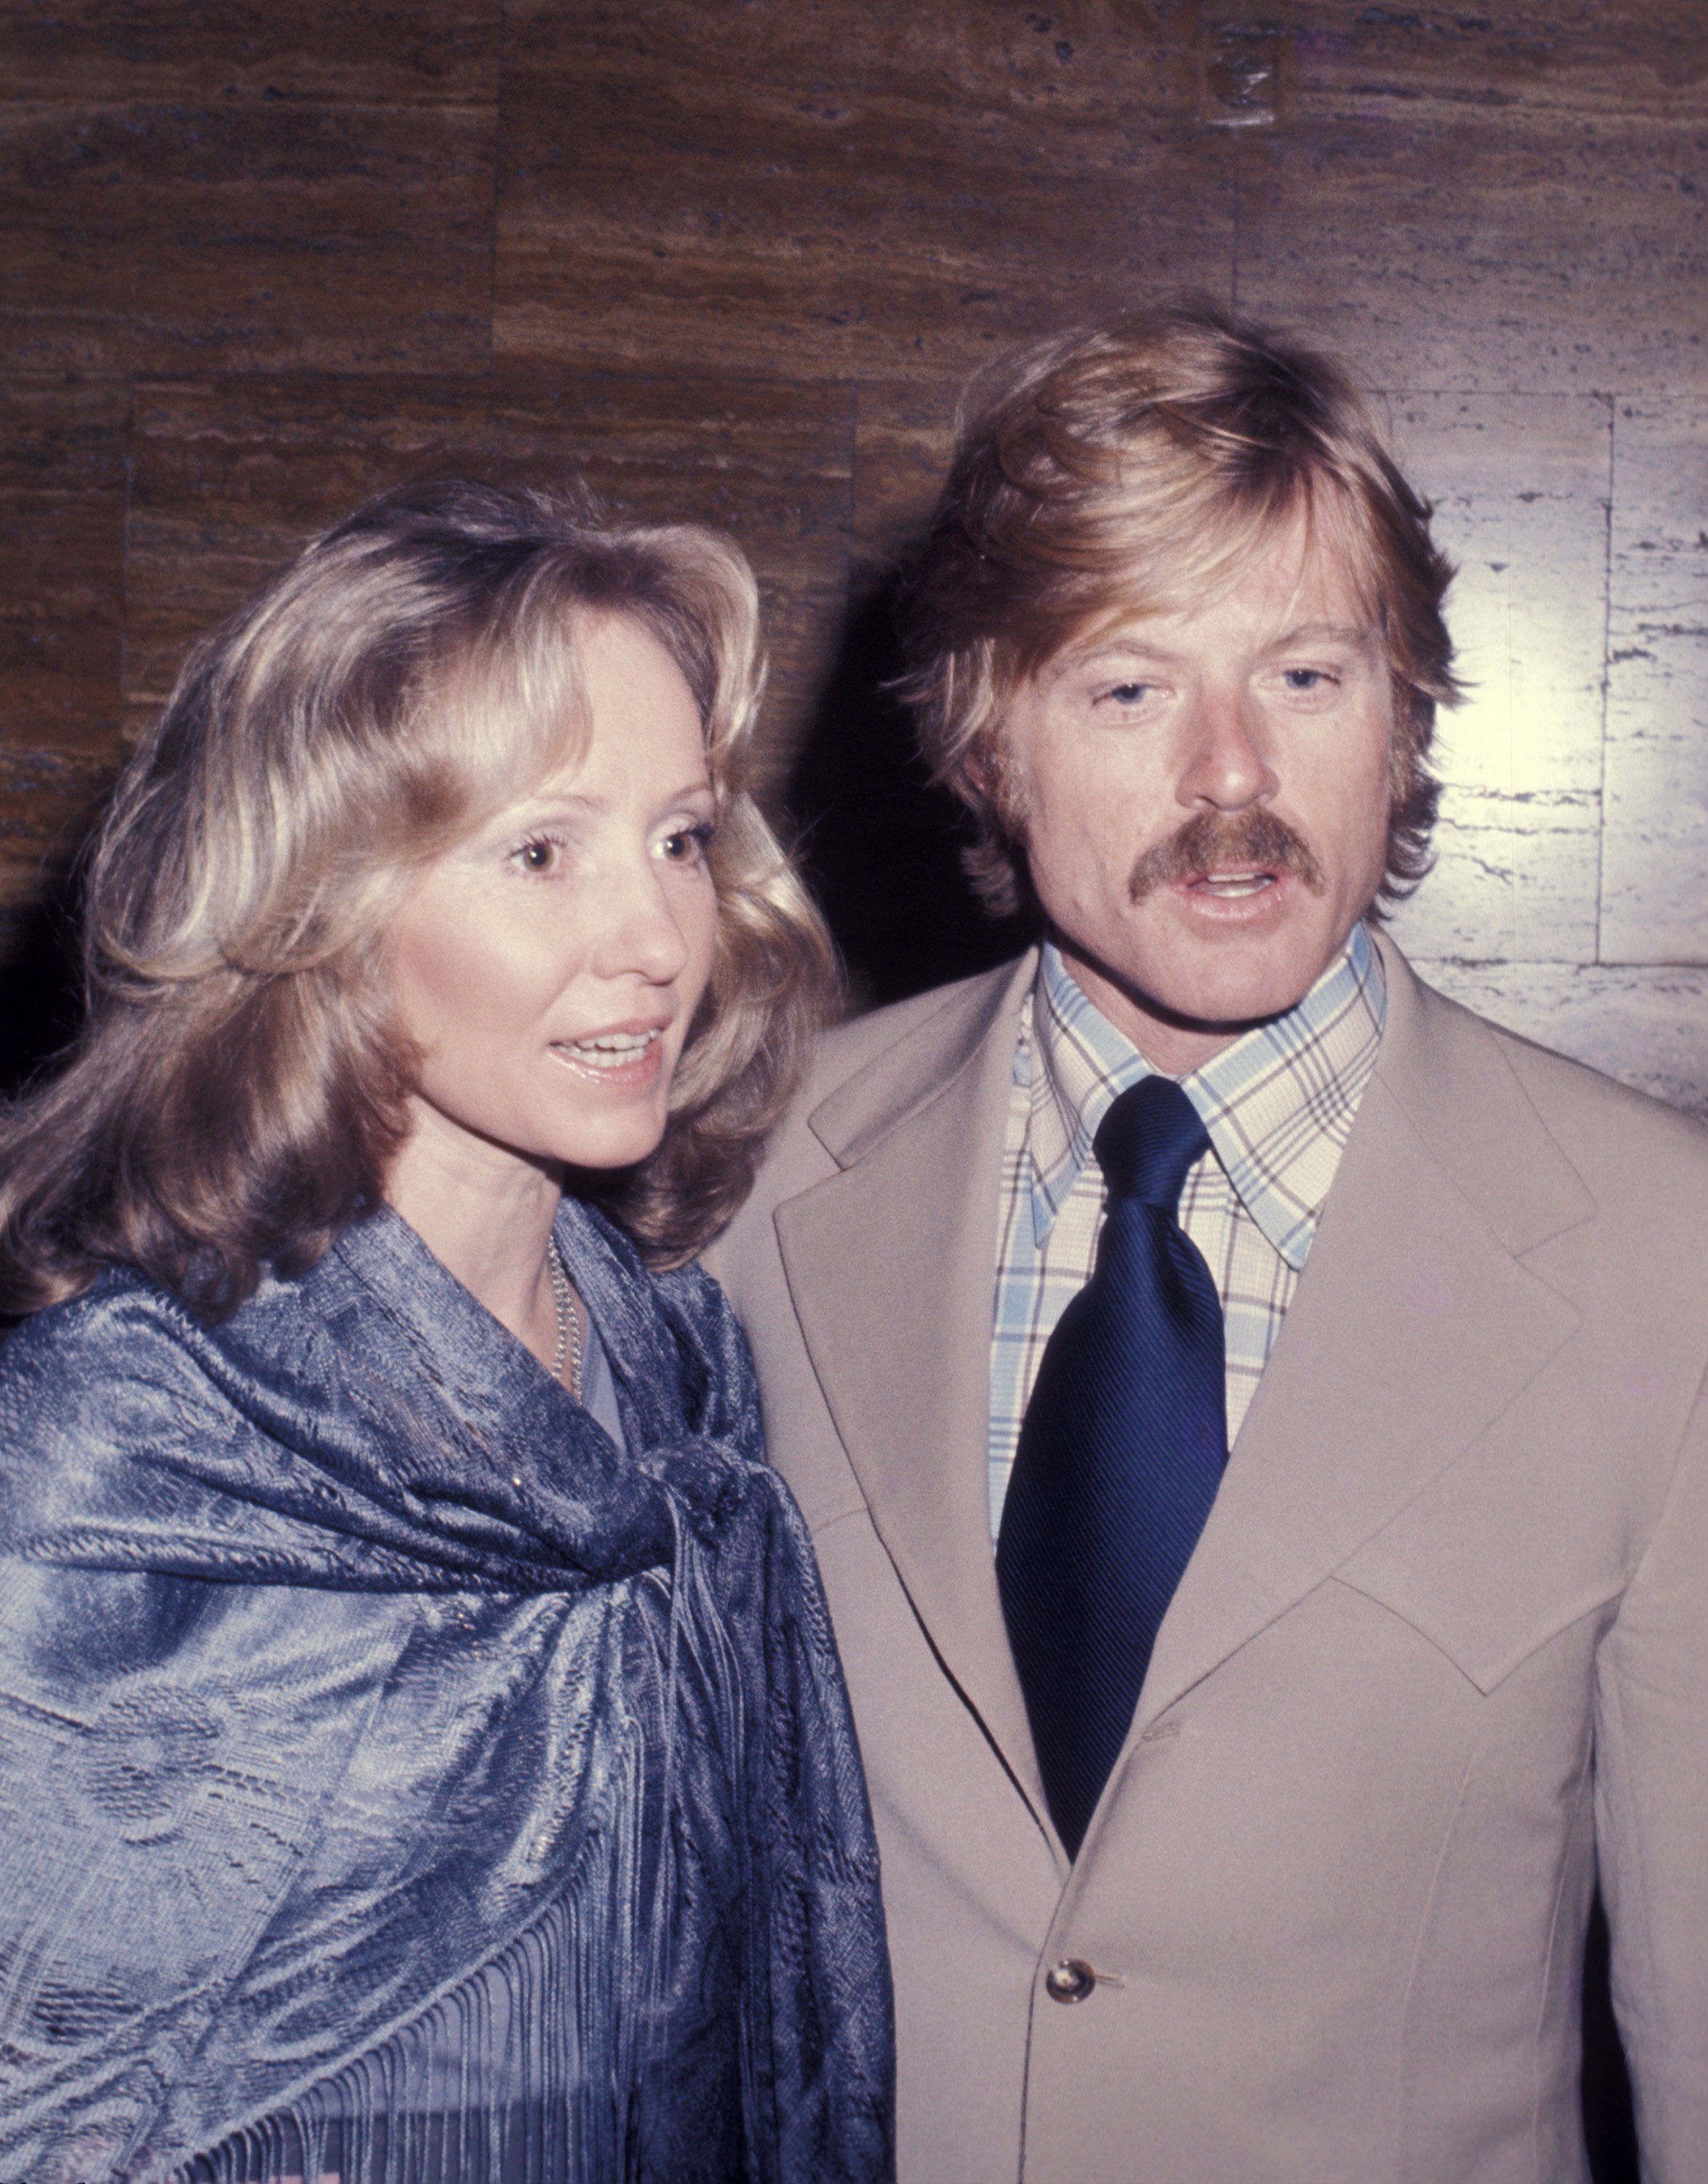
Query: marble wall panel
x=434 y=52
x=1655 y=907
x=904 y=436
x=882 y=847
x=62 y=537
x=1496 y=198
x=47 y=798
x=738 y=259
x=1514 y=878
x=232 y=478
x=893 y=192
x=1525 y=60
x=1521 y=486
x=246 y=233
x=1647 y=1027
x=1469 y=252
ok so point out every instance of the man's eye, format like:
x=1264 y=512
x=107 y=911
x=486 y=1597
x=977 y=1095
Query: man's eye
x=1130 y=694
x=1304 y=678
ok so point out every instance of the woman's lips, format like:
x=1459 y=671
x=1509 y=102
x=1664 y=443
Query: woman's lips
x=623 y=1058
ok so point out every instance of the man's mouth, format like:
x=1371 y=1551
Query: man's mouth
x=1233 y=885
x=1230 y=859
x=610 y=1049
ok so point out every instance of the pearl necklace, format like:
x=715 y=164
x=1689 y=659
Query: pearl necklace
x=568 y=1320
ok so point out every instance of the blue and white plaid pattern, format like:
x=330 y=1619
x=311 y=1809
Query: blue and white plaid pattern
x=1278 y=1104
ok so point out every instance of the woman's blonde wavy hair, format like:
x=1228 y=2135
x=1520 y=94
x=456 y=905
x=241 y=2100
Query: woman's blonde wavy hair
x=239 y=1091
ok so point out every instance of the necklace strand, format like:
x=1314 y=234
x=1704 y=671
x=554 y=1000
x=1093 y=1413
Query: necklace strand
x=568 y=1320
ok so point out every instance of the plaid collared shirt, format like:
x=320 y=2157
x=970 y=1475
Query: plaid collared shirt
x=1278 y=1104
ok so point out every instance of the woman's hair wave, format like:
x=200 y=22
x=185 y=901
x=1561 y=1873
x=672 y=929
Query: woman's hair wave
x=240 y=1089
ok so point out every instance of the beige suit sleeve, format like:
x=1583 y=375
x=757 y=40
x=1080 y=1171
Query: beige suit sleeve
x=1651 y=1817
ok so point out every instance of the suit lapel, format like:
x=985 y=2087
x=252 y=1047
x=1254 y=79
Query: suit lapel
x=1415 y=1324
x=892 y=1264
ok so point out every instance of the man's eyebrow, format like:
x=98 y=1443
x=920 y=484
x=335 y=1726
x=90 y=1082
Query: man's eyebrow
x=1116 y=648
x=1360 y=634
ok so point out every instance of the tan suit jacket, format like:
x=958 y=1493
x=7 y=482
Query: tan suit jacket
x=1442 y=1645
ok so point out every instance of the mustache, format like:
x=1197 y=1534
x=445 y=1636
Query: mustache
x=1254 y=839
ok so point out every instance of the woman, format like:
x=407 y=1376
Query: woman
x=423 y=1752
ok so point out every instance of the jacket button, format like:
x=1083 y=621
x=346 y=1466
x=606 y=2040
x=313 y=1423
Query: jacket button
x=1070 y=1980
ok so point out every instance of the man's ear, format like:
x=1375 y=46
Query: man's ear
x=1404 y=756
x=976 y=770
x=994 y=784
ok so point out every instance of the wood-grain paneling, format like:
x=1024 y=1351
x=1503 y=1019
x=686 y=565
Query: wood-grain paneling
x=1507 y=198
x=733 y=258
x=736 y=260
x=365 y=52
x=898 y=205
x=204 y=188
x=260 y=232
x=62 y=582
x=230 y=478
x=1479 y=254
x=1529 y=62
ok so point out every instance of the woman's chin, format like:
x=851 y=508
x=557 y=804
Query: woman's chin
x=618 y=1142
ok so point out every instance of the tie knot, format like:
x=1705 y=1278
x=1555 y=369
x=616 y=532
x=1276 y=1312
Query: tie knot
x=1147 y=1142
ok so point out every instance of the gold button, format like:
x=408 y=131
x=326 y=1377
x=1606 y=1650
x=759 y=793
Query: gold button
x=1070 y=1980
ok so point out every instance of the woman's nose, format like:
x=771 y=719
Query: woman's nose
x=642 y=934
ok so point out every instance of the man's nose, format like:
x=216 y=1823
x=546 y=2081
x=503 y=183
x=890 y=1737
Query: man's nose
x=1225 y=765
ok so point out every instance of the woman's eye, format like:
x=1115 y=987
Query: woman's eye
x=687 y=845
x=541 y=855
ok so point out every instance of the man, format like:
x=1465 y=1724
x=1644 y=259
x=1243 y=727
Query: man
x=1263 y=1622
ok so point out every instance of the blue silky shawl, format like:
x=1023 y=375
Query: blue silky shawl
x=362 y=1705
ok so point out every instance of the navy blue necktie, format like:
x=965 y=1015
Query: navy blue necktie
x=1122 y=1449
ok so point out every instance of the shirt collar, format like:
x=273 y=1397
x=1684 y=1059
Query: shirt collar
x=1278 y=1104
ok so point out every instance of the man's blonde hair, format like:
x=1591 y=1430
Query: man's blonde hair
x=1134 y=468
x=240 y=1090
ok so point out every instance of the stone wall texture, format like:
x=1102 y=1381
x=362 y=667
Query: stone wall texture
x=735 y=258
